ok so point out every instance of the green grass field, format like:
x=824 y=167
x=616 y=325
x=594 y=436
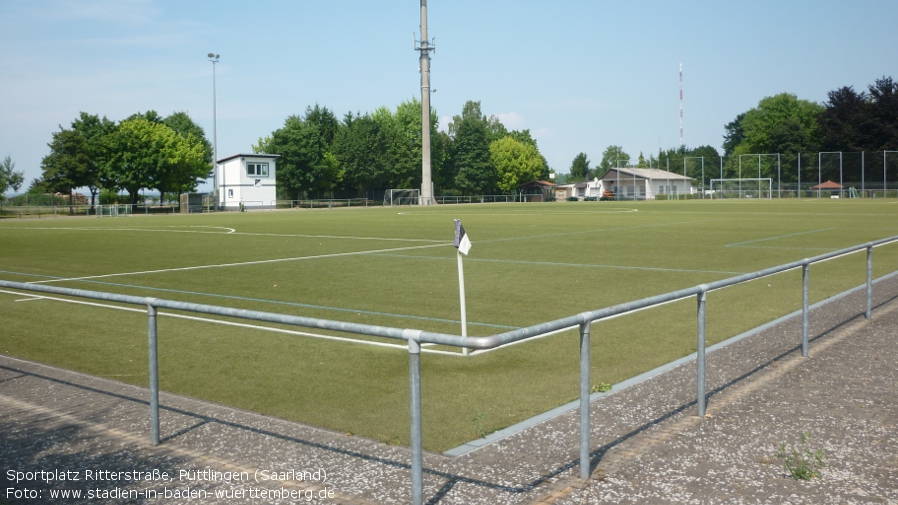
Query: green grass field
x=530 y=263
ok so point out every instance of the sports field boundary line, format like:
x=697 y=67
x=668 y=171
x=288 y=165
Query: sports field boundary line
x=621 y=386
x=245 y=263
x=241 y=325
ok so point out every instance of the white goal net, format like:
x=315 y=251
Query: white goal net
x=741 y=188
x=401 y=197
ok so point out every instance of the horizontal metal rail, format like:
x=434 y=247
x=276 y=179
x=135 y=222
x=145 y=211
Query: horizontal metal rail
x=416 y=337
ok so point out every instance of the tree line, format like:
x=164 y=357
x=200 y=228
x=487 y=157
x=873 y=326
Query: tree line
x=321 y=155
x=362 y=153
x=170 y=155
x=850 y=121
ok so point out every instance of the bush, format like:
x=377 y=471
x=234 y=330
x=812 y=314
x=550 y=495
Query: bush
x=573 y=199
x=589 y=199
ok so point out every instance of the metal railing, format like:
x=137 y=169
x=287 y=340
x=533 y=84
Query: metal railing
x=105 y=210
x=415 y=338
x=328 y=203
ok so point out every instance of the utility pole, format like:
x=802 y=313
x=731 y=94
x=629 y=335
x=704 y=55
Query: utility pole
x=214 y=59
x=425 y=47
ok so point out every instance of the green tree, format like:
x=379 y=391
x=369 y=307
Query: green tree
x=96 y=132
x=884 y=105
x=149 y=154
x=181 y=123
x=325 y=120
x=361 y=147
x=471 y=151
x=68 y=165
x=516 y=163
x=613 y=156
x=579 y=168
x=305 y=166
x=779 y=124
x=9 y=178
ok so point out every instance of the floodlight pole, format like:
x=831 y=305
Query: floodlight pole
x=425 y=47
x=215 y=196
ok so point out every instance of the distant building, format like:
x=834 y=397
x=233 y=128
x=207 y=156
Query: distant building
x=248 y=179
x=642 y=183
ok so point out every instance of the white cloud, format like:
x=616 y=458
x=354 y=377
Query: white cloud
x=511 y=120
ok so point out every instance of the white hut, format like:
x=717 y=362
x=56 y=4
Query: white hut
x=248 y=179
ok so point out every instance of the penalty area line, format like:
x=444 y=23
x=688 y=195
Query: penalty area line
x=241 y=325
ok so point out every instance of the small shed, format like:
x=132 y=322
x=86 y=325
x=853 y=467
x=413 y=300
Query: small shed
x=248 y=181
x=829 y=185
x=537 y=191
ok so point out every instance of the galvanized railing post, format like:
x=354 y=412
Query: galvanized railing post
x=414 y=375
x=869 y=314
x=584 y=399
x=805 y=295
x=700 y=352
x=154 y=374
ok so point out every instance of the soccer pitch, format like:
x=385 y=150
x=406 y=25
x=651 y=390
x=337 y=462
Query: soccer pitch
x=530 y=263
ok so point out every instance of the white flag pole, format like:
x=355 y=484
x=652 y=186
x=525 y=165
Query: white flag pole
x=461 y=291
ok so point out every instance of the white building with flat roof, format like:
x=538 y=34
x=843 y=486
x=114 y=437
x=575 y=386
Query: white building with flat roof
x=248 y=179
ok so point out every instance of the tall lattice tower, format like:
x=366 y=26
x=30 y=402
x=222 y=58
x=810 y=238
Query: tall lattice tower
x=682 y=142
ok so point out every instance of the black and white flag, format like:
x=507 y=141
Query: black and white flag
x=462 y=242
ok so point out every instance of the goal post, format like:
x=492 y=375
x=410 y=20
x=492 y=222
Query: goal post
x=401 y=197
x=742 y=188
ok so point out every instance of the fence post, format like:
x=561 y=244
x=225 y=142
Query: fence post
x=584 y=399
x=805 y=294
x=154 y=374
x=869 y=314
x=414 y=374
x=700 y=352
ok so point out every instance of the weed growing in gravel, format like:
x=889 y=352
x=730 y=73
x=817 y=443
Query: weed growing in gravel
x=801 y=462
x=602 y=387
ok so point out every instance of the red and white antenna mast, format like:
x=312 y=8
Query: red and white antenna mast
x=682 y=142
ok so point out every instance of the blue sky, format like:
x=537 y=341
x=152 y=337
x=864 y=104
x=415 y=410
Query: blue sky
x=581 y=75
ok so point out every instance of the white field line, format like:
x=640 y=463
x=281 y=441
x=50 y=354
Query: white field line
x=244 y=263
x=240 y=325
x=570 y=265
x=569 y=328
x=527 y=213
x=230 y=231
x=737 y=244
x=33 y=298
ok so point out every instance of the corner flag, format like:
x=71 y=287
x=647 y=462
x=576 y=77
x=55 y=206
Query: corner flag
x=462 y=242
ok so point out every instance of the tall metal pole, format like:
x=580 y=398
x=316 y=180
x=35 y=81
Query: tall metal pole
x=425 y=47
x=414 y=377
x=584 y=399
x=700 y=398
x=215 y=196
x=154 y=374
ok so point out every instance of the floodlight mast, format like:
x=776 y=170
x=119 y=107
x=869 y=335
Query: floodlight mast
x=214 y=59
x=425 y=47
